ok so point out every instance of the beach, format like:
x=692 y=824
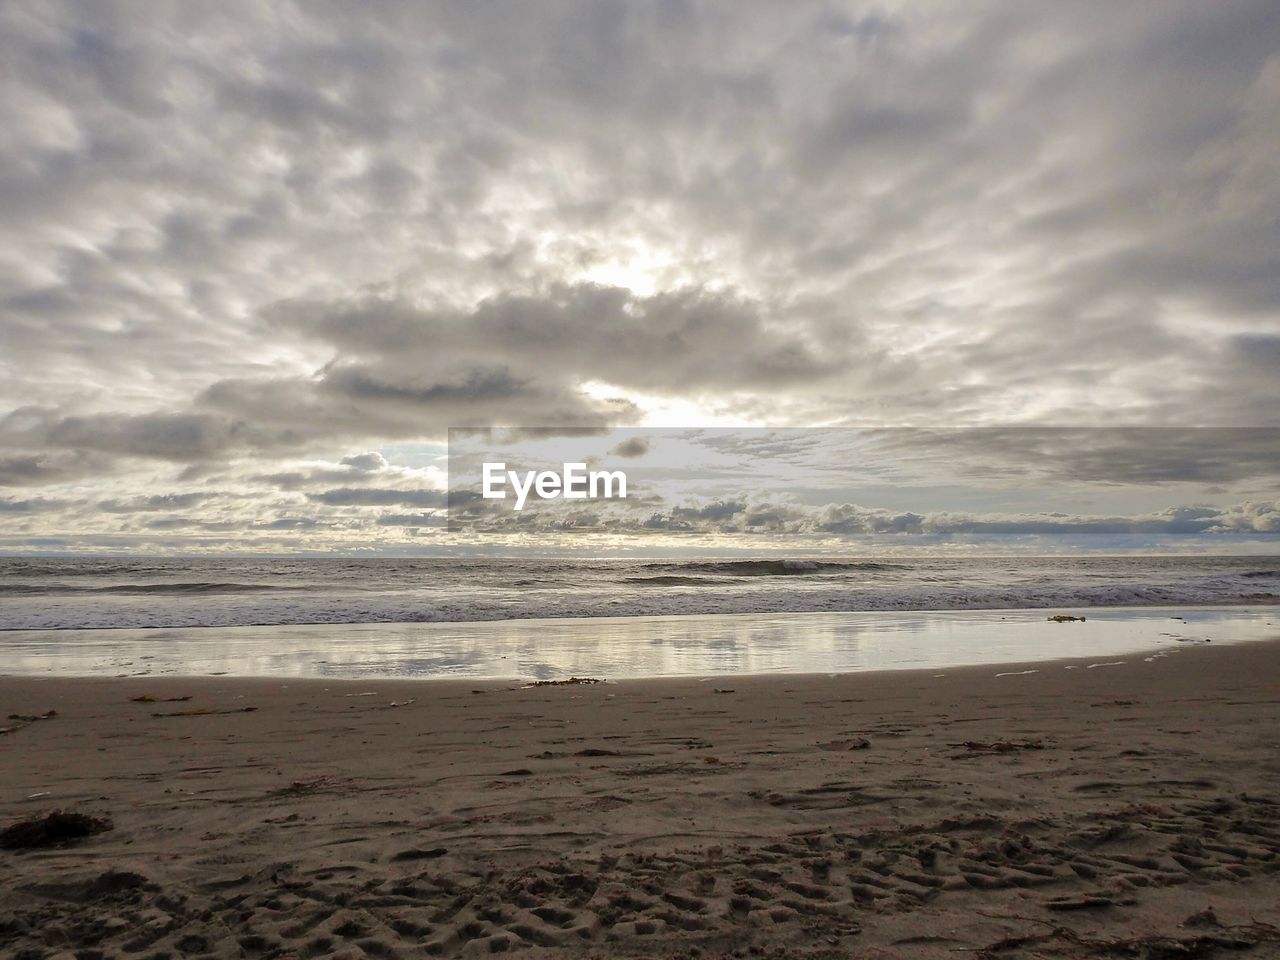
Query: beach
x=605 y=480
x=1072 y=808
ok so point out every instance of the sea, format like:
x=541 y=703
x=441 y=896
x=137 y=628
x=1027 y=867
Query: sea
x=77 y=594
x=548 y=618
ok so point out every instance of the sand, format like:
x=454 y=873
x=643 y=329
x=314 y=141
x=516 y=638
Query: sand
x=1124 y=809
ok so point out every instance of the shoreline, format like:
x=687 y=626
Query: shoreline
x=725 y=645
x=515 y=682
x=653 y=817
x=1253 y=604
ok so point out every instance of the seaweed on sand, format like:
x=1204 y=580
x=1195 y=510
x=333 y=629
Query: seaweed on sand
x=55 y=829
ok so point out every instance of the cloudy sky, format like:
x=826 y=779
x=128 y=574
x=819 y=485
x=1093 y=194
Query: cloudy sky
x=256 y=258
x=980 y=490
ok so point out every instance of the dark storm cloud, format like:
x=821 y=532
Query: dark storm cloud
x=179 y=437
x=234 y=234
x=33 y=505
x=567 y=333
x=403 y=371
x=712 y=511
x=46 y=468
x=631 y=448
x=391 y=398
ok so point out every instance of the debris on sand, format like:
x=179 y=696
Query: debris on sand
x=1205 y=918
x=148 y=698
x=1087 y=901
x=23 y=720
x=120 y=886
x=204 y=712
x=418 y=854
x=1233 y=938
x=1065 y=618
x=840 y=746
x=311 y=785
x=115 y=885
x=998 y=746
x=572 y=681
x=54 y=830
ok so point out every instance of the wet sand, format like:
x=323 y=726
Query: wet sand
x=633 y=647
x=1083 y=809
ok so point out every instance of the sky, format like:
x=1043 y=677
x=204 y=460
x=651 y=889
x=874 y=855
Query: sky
x=256 y=258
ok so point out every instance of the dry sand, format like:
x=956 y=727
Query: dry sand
x=1131 y=809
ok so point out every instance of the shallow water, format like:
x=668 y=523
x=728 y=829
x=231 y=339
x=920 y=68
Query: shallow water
x=630 y=647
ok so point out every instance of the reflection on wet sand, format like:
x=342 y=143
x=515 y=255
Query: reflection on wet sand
x=632 y=646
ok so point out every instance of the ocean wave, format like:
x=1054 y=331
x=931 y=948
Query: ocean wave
x=775 y=568
x=268 y=591
x=619 y=600
x=18 y=567
x=143 y=589
x=671 y=580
